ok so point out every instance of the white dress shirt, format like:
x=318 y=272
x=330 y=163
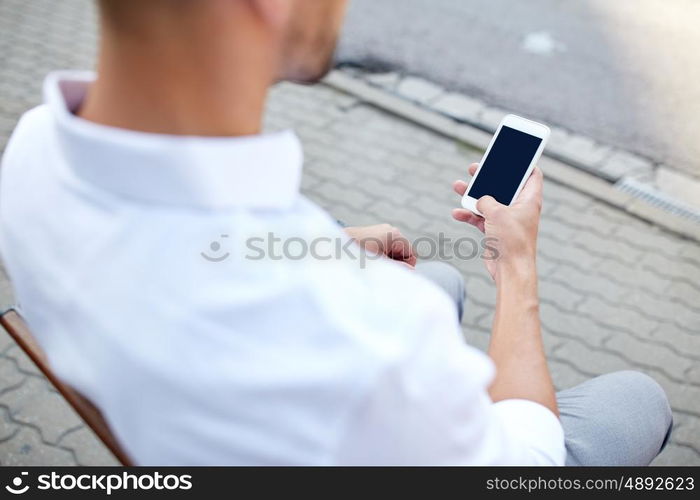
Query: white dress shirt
x=130 y=254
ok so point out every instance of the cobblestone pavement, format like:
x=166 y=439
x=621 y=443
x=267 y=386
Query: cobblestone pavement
x=616 y=292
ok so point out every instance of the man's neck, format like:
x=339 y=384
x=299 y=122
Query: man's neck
x=179 y=89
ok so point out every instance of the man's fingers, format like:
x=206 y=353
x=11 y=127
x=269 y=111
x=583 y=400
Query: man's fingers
x=464 y=215
x=460 y=187
x=488 y=206
x=412 y=261
x=533 y=187
x=400 y=248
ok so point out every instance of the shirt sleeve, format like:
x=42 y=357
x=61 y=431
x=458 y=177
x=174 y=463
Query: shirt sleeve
x=431 y=407
x=533 y=429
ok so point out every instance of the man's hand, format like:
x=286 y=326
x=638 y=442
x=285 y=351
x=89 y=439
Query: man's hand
x=516 y=340
x=513 y=228
x=384 y=239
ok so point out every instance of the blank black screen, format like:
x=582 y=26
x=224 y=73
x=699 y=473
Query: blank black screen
x=505 y=166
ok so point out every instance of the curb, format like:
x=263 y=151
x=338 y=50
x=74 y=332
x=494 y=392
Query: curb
x=592 y=169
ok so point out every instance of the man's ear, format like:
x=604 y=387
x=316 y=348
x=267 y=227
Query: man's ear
x=275 y=13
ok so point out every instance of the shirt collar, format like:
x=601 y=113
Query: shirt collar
x=262 y=171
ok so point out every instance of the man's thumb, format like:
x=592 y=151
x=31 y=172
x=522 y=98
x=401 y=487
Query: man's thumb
x=487 y=205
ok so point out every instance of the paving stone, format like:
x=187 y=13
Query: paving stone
x=617 y=318
x=399 y=215
x=546 y=267
x=564 y=296
x=691 y=252
x=491 y=117
x=427 y=205
x=459 y=106
x=7 y=296
x=477 y=338
x=686 y=428
x=565 y=376
x=693 y=374
x=445 y=169
x=418 y=89
x=623 y=164
x=607 y=247
x=553 y=192
x=674 y=455
x=666 y=308
x=680 y=186
x=27 y=448
x=589 y=361
x=482 y=291
x=631 y=276
x=346 y=214
x=684 y=341
x=652 y=239
x=427 y=185
x=464 y=258
x=10 y=376
x=650 y=356
x=342 y=172
x=8 y=428
x=585 y=151
x=584 y=220
x=392 y=192
x=652 y=303
x=673 y=268
x=589 y=283
x=572 y=326
x=335 y=191
x=564 y=252
x=556 y=230
x=558 y=139
x=87 y=448
x=36 y=403
x=474 y=312
x=683 y=397
x=6 y=341
x=620 y=218
x=551 y=341
x=388 y=80
x=309 y=183
x=23 y=362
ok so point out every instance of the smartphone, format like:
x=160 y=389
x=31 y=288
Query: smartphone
x=508 y=162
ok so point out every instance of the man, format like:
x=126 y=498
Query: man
x=112 y=190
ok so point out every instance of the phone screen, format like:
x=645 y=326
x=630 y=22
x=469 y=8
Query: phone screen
x=505 y=165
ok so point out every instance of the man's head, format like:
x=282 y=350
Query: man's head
x=296 y=37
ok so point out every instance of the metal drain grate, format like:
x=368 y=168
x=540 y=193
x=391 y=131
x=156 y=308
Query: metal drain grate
x=658 y=199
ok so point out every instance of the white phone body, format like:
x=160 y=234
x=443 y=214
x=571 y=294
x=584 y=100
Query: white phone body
x=523 y=125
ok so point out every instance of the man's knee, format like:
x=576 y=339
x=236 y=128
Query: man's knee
x=621 y=418
x=642 y=388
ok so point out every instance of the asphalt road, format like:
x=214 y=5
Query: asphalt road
x=625 y=72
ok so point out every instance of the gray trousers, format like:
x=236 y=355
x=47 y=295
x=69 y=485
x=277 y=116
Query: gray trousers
x=620 y=418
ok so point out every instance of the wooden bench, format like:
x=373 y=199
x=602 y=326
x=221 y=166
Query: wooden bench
x=18 y=330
